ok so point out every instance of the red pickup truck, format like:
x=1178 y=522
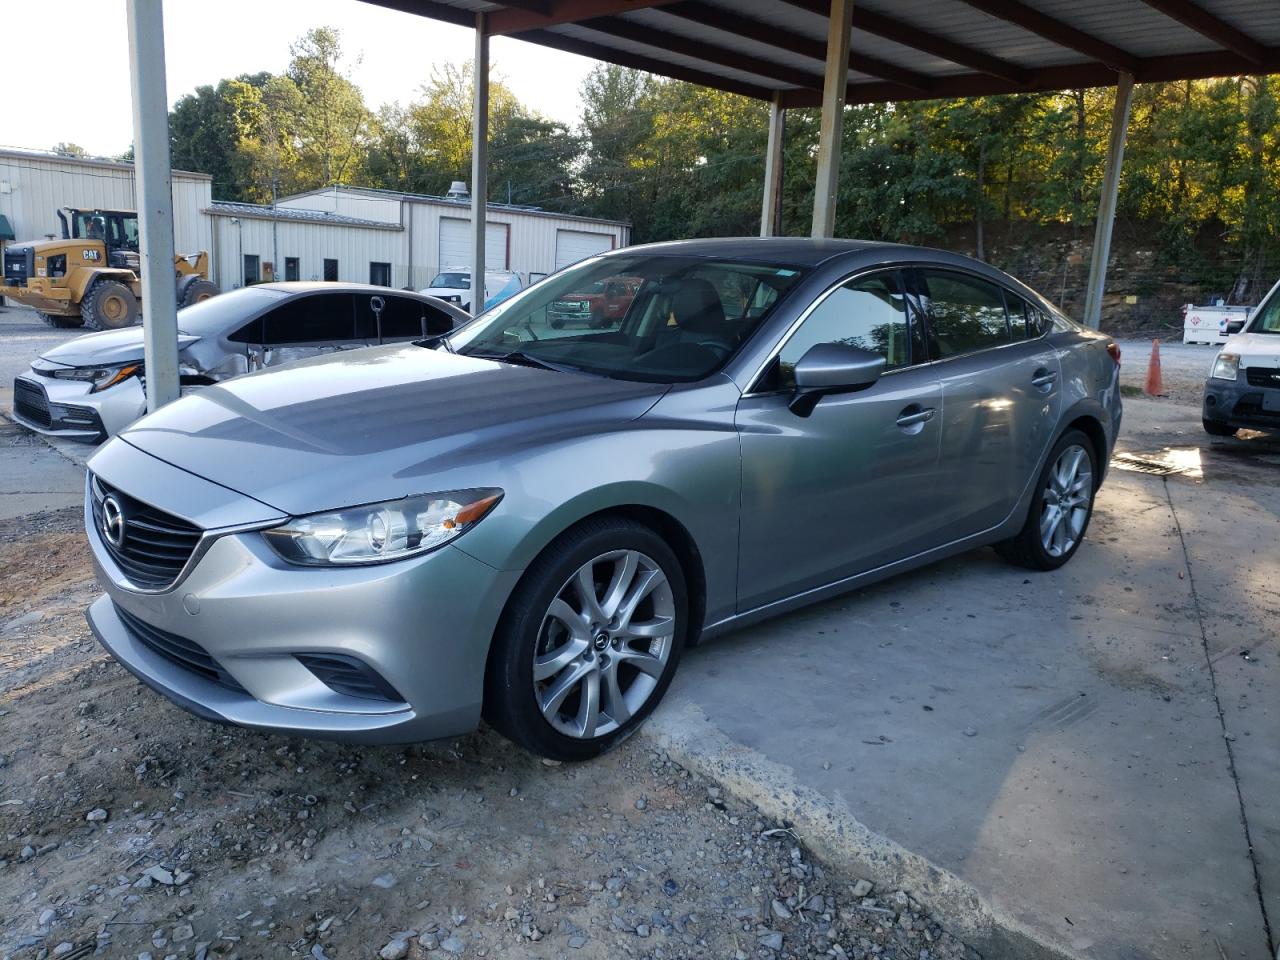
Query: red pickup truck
x=601 y=305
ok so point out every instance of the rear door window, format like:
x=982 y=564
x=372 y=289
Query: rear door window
x=321 y=319
x=966 y=314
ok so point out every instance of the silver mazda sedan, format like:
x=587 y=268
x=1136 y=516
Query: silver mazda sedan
x=530 y=523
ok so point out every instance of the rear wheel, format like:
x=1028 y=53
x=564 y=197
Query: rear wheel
x=109 y=305
x=61 y=322
x=1217 y=429
x=195 y=289
x=589 y=641
x=1061 y=509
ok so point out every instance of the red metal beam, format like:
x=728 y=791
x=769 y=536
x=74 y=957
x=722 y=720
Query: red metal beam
x=514 y=20
x=1207 y=25
x=741 y=26
x=706 y=52
x=917 y=38
x=1063 y=34
x=1190 y=66
x=622 y=58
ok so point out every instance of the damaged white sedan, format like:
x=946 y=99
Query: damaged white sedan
x=92 y=387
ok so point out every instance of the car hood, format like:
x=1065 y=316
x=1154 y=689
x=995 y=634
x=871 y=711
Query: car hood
x=377 y=424
x=105 y=349
x=1255 y=349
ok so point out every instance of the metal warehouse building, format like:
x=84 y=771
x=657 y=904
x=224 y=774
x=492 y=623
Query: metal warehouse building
x=335 y=233
x=33 y=185
x=397 y=239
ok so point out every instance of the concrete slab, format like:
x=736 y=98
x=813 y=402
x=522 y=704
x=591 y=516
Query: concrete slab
x=1052 y=740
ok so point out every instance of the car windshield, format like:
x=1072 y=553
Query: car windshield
x=1266 y=319
x=684 y=318
x=218 y=315
x=452 y=281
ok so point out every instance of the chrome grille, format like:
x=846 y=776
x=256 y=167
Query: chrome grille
x=31 y=403
x=178 y=650
x=153 y=546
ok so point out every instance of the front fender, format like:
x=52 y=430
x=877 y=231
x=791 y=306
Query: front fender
x=673 y=460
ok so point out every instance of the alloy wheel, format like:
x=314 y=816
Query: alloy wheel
x=604 y=644
x=1067 y=498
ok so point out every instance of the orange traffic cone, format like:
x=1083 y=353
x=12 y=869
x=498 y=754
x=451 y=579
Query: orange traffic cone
x=1154 y=386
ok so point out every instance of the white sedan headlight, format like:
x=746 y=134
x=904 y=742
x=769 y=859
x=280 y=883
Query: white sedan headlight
x=100 y=377
x=381 y=531
x=1226 y=367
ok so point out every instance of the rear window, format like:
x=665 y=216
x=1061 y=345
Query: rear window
x=966 y=314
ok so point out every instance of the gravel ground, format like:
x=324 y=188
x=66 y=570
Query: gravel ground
x=131 y=829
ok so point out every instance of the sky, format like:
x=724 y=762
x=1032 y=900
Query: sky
x=83 y=64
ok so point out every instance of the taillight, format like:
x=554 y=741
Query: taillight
x=1113 y=348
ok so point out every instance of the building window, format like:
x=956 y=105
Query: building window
x=379 y=274
x=291 y=271
x=330 y=269
x=250 y=269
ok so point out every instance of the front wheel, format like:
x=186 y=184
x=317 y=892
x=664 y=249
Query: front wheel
x=589 y=642
x=1060 y=510
x=1217 y=429
x=109 y=305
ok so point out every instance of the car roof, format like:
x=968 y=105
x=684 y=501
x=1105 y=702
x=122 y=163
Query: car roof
x=797 y=251
x=328 y=286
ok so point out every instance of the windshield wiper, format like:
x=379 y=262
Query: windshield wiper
x=524 y=359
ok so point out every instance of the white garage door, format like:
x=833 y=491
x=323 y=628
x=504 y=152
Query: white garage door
x=575 y=245
x=455 y=244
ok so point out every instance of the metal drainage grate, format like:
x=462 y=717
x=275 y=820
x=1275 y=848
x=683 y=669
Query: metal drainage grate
x=1153 y=466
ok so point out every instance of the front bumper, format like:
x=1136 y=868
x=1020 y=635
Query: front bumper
x=423 y=625
x=1238 y=403
x=67 y=408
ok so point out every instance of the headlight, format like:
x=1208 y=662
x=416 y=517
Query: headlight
x=382 y=531
x=1226 y=367
x=100 y=377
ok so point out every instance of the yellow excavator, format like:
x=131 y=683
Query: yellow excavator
x=90 y=277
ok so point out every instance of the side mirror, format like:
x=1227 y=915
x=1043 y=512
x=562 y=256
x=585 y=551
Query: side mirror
x=1235 y=326
x=833 y=368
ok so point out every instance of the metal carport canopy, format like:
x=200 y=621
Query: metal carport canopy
x=793 y=53
x=875 y=51
x=899 y=49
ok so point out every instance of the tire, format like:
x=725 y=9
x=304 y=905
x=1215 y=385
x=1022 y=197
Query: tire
x=59 y=321
x=109 y=305
x=557 y=323
x=597 y=321
x=545 y=618
x=1033 y=548
x=1217 y=429
x=194 y=289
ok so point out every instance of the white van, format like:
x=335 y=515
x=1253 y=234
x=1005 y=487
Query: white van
x=1243 y=389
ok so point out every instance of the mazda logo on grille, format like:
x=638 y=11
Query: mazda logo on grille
x=113 y=521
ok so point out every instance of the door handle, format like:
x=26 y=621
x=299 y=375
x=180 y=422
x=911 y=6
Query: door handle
x=914 y=415
x=1044 y=378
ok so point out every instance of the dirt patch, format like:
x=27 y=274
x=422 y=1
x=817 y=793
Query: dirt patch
x=128 y=827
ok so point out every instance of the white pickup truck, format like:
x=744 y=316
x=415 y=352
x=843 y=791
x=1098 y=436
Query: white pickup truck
x=1243 y=389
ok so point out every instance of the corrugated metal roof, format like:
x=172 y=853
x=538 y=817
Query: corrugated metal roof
x=19 y=153
x=226 y=208
x=901 y=49
x=456 y=204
